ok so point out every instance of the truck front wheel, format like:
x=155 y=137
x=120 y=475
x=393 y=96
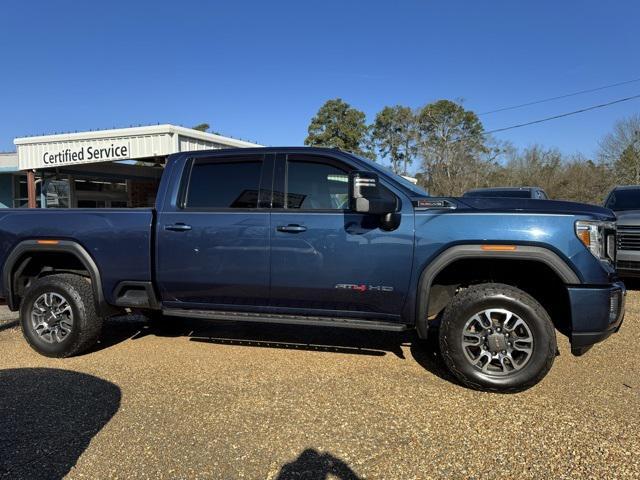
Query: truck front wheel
x=58 y=316
x=496 y=337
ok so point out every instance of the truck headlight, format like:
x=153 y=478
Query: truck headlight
x=598 y=237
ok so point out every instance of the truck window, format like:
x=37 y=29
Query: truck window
x=222 y=183
x=316 y=186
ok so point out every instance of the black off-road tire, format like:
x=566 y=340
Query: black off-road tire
x=87 y=324
x=477 y=298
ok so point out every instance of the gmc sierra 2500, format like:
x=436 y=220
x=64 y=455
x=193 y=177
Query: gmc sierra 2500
x=314 y=236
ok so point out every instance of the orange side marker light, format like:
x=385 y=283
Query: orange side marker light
x=498 y=248
x=48 y=242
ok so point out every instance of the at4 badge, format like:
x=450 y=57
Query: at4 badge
x=364 y=287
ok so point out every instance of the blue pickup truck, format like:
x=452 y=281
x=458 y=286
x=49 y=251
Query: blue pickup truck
x=313 y=236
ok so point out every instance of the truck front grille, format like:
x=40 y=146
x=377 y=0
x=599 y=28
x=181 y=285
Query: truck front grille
x=628 y=238
x=625 y=265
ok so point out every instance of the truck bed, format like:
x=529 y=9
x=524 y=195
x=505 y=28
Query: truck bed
x=118 y=239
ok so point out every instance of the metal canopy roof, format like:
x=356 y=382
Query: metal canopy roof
x=8 y=162
x=118 y=144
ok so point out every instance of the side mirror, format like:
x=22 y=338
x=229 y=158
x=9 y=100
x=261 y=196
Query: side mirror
x=366 y=195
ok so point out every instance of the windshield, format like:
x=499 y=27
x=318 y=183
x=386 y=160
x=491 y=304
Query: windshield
x=624 y=200
x=500 y=193
x=401 y=180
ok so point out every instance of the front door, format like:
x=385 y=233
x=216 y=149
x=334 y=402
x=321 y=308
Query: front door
x=213 y=244
x=327 y=258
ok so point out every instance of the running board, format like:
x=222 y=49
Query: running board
x=357 y=323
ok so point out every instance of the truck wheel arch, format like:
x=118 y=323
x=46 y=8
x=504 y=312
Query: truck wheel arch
x=27 y=247
x=453 y=254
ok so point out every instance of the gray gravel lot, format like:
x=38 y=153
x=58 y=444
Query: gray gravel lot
x=220 y=400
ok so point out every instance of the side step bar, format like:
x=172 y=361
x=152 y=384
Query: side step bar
x=357 y=323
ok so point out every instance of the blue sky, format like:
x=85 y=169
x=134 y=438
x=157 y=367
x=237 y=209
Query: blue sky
x=260 y=70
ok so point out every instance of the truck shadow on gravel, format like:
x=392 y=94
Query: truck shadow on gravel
x=47 y=419
x=8 y=325
x=290 y=337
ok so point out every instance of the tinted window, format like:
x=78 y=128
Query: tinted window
x=224 y=184
x=624 y=200
x=316 y=186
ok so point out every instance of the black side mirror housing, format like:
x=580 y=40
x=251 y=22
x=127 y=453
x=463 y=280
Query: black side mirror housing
x=365 y=195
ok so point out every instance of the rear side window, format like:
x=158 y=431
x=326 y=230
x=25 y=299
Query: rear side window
x=222 y=183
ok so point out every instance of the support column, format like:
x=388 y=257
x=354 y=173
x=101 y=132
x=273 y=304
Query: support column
x=31 y=188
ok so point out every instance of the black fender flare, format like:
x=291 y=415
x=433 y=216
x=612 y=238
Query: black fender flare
x=458 y=252
x=66 y=246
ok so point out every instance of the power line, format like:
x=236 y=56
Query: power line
x=550 y=99
x=582 y=110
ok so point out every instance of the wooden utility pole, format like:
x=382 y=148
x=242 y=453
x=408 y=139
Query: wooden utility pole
x=31 y=188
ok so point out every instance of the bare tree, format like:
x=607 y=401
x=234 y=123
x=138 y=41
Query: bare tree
x=582 y=180
x=575 y=178
x=620 y=150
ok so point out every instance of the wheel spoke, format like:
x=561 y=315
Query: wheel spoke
x=40 y=308
x=63 y=309
x=483 y=361
x=514 y=364
x=472 y=339
x=522 y=346
x=489 y=320
x=40 y=326
x=512 y=326
x=482 y=320
x=505 y=362
x=65 y=326
x=485 y=367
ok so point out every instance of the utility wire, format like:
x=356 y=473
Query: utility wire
x=550 y=99
x=582 y=110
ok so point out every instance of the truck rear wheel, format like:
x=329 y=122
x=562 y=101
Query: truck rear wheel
x=496 y=337
x=58 y=316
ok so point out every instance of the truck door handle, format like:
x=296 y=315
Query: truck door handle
x=178 y=227
x=292 y=228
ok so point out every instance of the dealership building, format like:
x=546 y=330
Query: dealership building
x=97 y=169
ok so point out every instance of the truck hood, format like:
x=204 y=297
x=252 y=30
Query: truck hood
x=529 y=205
x=628 y=217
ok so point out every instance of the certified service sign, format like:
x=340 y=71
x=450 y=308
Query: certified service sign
x=101 y=152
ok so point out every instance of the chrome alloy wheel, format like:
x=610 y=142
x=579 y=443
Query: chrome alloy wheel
x=497 y=342
x=52 y=317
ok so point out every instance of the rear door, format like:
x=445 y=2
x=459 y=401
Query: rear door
x=327 y=259
x=213 y=238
